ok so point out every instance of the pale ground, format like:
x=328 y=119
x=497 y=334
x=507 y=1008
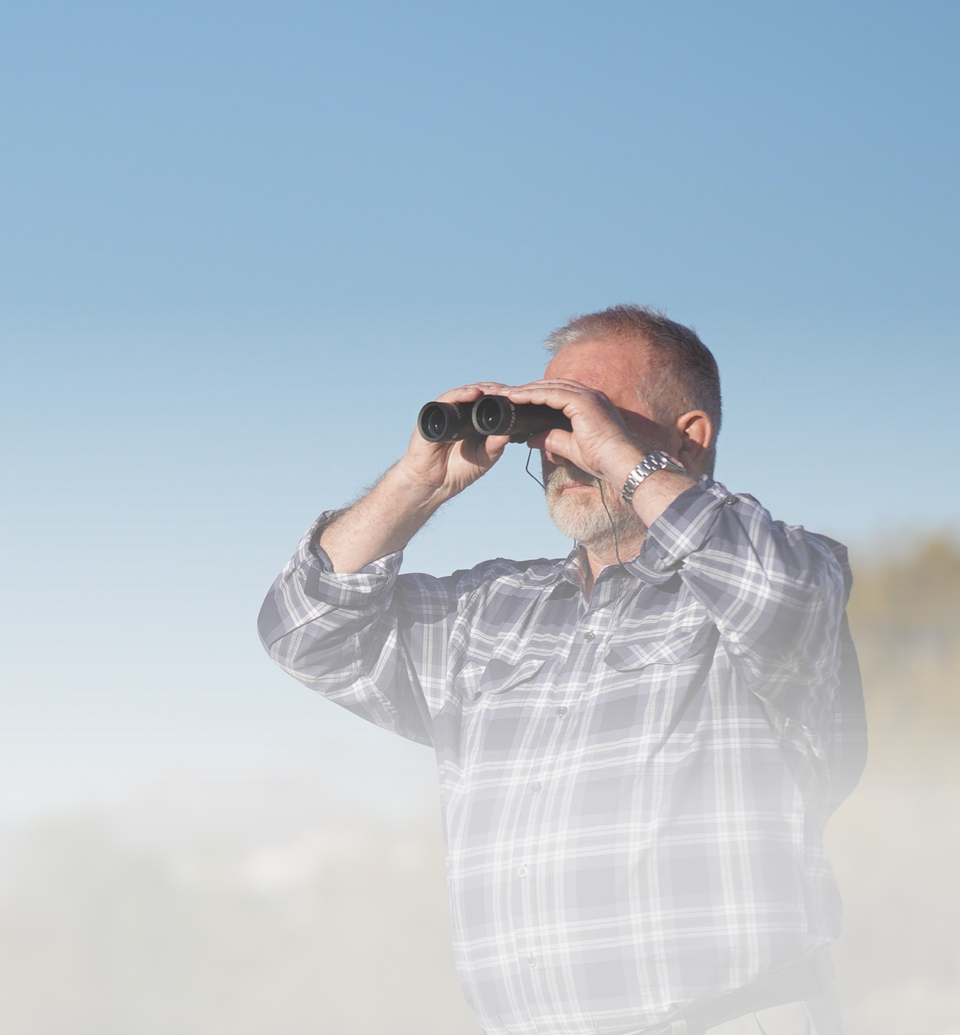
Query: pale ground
x=895 y=846
x=260 y=909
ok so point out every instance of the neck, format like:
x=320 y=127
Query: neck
x=599 y=555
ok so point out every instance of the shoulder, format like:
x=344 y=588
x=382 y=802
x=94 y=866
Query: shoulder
x=839 y=553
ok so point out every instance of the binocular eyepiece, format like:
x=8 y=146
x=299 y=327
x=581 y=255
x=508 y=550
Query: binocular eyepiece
x=488 y=415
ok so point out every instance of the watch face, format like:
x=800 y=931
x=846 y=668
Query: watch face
x=661 y=462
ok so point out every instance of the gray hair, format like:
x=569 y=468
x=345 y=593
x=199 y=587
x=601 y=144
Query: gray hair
x=684 y=374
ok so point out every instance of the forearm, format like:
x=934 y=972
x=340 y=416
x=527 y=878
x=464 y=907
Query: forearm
x=775 y=592
x=410 y=493
x=341 y=634
x=655 y=493
x=383 y=521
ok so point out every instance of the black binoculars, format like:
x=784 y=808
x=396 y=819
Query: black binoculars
x=488 y=415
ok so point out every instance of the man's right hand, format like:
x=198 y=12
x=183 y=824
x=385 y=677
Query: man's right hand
x=447 y=468
x=407 y=496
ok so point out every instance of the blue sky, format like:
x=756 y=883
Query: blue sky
x=244 y=242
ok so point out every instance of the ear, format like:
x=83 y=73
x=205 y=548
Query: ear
x=693 y=434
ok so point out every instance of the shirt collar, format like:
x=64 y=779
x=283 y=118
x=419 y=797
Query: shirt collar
x=573 y=569
x=564 y=569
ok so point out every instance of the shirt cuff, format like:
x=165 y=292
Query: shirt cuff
x=681 y=530
x=357 y=591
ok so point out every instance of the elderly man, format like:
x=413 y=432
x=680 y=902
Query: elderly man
x=639 y=744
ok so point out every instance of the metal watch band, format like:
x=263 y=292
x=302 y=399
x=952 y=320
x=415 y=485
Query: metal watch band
x=657 y=461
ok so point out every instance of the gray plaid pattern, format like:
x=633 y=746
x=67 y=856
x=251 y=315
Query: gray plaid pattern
x=633 y=786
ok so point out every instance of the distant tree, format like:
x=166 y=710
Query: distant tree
x=905 y=618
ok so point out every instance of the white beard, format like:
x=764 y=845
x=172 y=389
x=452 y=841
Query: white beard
x=583 y=517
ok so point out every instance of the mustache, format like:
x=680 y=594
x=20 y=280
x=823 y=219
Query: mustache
x=568 y=474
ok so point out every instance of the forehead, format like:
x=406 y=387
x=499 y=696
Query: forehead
x=613 y=366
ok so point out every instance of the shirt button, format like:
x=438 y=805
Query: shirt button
x=531 y=961
x=730 y=500
x=589 y=636
x=562 y=710
x=537 y=788
x=522 y=871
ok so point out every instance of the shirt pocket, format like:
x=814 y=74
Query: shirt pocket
x=495 y=676
x=658 y=646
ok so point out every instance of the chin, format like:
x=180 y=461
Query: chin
x=580 y=514
x=586 y=520
x=578 y=521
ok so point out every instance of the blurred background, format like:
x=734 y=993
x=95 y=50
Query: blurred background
x=242 y=244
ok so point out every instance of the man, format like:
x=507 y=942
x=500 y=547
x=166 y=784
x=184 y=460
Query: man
x=638 y=745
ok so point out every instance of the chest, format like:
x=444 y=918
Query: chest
x=550 y=675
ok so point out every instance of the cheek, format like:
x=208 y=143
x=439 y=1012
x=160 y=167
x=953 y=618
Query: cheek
x=647 y=434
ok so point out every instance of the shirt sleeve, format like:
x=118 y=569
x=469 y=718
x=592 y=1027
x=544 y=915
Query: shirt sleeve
x=371 y=641
x=775 y=592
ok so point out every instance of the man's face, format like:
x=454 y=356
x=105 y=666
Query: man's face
x=574 y=498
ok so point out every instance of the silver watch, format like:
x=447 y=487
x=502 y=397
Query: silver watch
x=656 y=461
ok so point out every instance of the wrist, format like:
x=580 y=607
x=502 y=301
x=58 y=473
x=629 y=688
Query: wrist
x=412 y=490
x=654 y=463
x=621 y=463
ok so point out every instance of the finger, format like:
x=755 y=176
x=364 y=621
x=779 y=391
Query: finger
x=554 y=382
x=468 y=393
x=557 y=397
x=495 y=444
x=559 y=442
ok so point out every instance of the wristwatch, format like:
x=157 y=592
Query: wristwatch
x=656 y=461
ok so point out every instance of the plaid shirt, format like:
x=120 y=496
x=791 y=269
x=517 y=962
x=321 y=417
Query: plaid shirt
x=633 y=785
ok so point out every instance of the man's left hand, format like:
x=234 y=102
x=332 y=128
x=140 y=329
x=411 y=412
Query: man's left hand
x=601 y=443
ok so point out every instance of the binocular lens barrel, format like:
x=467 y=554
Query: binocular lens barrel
x=493 y=415
x=489 y=415
x=444 y=422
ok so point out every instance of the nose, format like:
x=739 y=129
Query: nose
x=548 y=463
x=547 y=457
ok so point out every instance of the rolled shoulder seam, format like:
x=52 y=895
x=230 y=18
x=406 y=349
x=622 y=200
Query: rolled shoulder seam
x=360 y=590
x=680 y=530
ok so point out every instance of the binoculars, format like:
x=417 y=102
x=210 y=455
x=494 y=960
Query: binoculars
x=488 y=415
